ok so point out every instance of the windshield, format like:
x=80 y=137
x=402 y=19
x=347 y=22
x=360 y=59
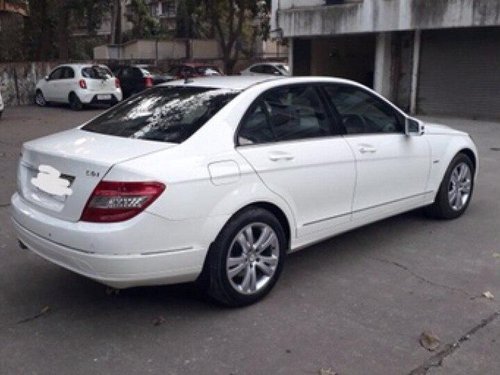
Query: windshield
x=167 y=114
x=96 y=72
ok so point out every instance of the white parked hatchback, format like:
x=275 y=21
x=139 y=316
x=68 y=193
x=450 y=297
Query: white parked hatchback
x=217 y=179
x=79 y=85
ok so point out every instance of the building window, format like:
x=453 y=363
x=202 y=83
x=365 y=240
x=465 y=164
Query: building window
x=168 y=8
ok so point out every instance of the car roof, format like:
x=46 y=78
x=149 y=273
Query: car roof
x=80 y=66
x=270 y=63
x=222 y=82
x=193 y=65
x=245 y=82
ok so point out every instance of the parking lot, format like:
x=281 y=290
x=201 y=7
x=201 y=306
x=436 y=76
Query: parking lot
x=355 y=304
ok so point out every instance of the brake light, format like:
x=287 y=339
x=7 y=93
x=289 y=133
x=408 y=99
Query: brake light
x=114 y=201
x=83 y=84
x=148 y=81
x=117 y=83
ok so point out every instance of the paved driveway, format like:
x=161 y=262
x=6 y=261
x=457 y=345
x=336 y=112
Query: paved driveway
x=355 y=304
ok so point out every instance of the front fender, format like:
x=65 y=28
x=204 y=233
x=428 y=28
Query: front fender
x=443 y=149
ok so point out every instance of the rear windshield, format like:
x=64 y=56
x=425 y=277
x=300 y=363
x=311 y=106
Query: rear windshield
x=167 y=114
x=96 y=72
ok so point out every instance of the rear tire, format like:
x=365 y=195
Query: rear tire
x=455 y=191
x=246 y=259
x=75 y=103
x=40 y=99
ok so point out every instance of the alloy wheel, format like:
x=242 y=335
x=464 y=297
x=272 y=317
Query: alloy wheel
x=253 y=258
x=459 y=187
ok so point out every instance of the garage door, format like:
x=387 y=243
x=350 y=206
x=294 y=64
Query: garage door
x=460 y=73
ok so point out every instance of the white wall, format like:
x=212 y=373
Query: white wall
x=381 y=15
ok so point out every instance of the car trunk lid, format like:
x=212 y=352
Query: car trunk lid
x=58 y=173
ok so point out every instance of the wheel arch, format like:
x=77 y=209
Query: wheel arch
x=471 y=155
x=275 y=210
x=444 y=152
x=72 y=93
x=268 y=206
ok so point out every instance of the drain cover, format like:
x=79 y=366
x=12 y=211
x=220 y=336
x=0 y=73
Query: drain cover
x=495 y=149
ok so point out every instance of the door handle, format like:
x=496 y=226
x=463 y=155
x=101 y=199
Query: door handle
x=280 y=155
x=367 y=149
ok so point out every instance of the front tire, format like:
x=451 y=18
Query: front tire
x=246 y=259
x=40 y=99
x=456 y=189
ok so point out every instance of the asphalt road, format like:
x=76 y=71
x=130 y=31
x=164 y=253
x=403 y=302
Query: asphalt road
x=356 y=304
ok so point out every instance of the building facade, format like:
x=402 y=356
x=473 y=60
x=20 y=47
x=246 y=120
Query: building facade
x=12 y=15
x=165 y=11
x=439 y=57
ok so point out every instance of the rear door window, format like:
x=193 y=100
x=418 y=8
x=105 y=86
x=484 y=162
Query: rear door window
x=68 y=73
x=167 y=114
x=284 y=114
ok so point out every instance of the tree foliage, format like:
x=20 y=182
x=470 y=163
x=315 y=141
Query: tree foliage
x=144 y=25
x=236 y=24
x=49 y=28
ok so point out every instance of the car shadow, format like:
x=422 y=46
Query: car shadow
x=77 y=297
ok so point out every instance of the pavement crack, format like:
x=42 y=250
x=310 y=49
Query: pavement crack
x=42 y=312
x=422 y=278
x=437 y=359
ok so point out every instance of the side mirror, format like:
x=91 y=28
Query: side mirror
x=413 y=127
x=46 y=78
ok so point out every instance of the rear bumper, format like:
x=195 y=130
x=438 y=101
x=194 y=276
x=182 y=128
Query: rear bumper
x=92 y=97
x=116 y=271
x=145 y=250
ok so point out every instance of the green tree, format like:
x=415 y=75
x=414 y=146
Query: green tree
x=235 y=23
x=145 y=26
x=48 y=30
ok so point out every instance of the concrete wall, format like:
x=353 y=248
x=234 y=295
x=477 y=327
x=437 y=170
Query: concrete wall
x=18 y=80
x=205 y=49
x=382 y=15
x=160 y=50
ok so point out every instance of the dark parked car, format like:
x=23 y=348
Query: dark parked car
x=191 y=70
x=136 y=78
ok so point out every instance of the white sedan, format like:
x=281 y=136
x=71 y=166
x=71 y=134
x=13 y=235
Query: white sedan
x=217 y=179
x=79 y=85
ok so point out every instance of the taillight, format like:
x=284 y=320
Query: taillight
x=83 y=84
x=117 y=83
x=114 y=201
x=148 y=81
